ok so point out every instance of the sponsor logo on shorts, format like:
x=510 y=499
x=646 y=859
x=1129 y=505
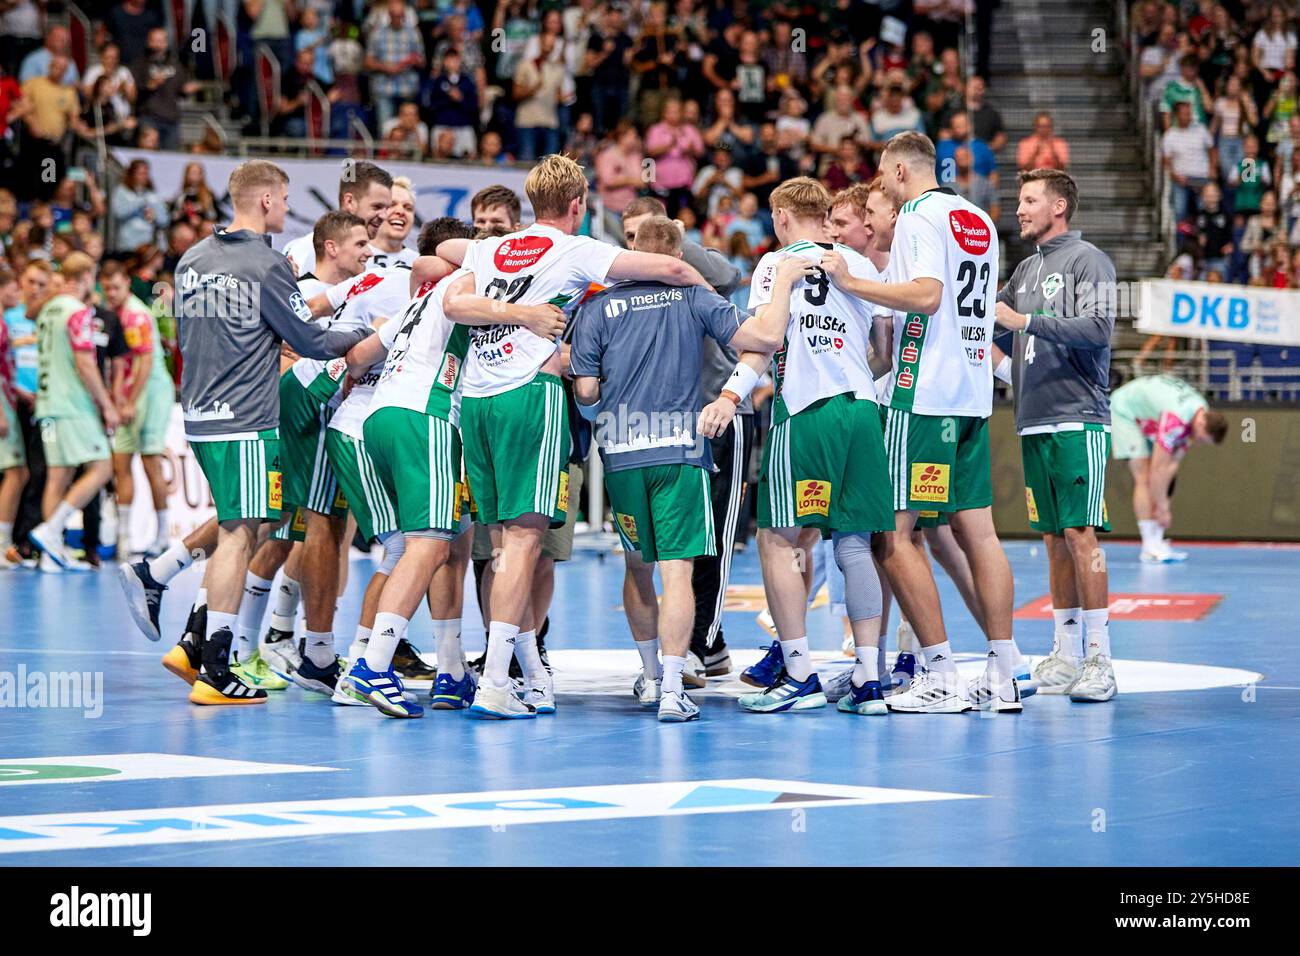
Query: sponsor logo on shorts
x=812 y=497
x=515 y=254
x=1031 y=504
x=449 y=372
x=928 y=515
x=299 y=521
x=628 y=524
x=462 y=495
x=340 y=499
x=562 y=499
x=929 y=482
x=336 y=369
x=970 y=230
x=275 y=498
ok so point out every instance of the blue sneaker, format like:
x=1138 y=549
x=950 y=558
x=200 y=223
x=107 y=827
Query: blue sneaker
x=143 y=597
x=904 y=671
x=766 y=671
x=867 y=700
x=383 y=689
x=451 y=694
x=1025 y=680
x=786 y=693
x=319 y=680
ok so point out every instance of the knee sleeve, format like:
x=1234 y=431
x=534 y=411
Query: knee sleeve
x=394 y=547
x=861 y=583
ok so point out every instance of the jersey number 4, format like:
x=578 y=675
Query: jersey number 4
x=966 y=276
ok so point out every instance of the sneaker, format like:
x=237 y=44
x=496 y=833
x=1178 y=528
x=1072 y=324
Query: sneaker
x=931 y=694
x=498 y=703
x=451 y=694
x=694 y=674
x=541 y=652
x=143 y=597
x=47 y=565
x=281 y=652
x=839 y=685
x=847 y=647
x=647 y=692
x=11 y=559
x=256 y=672
x=383 y=689
x=1162 y=555
x=717 y=659
x=767 y=670
x=786 y=694
x=540 y=696
x=1025 y=679
x=341 y=695
x=904 y=672
x=677 y=708
x=866 y=701
x=1096 y=683
x=216 y=684
x=1056 y=673
x=318 y=680
x=411 y=667
x=184 y=659
x=44 y=538
x=987 y=694
x=767 y=622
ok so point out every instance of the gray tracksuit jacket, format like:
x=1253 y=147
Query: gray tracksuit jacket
x=719 y=360
x=1061 y=364
x=236 y=300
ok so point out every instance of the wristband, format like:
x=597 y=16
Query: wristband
x=1028 y=320
x=742 y=382
x=1003 y=371
x=589 y=412
x=731 y=397
x=337 y=294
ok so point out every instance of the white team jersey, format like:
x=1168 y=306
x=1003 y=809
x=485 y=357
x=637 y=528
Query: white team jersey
x=943 y=362
x=827 y=336
x=308 y=371
x=885 y=384
x=426 y=356
x=536 y=265
x=373 y=294
x=303 y=253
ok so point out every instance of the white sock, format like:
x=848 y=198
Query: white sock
x=384 y=636
x=501 y=647
x=649 y=651
x=285 y=609
x=1002 y=659
x=170 y=563
x=1096 y=625
x=529 y=659
x=938 y=658
x=673 y=667
x=881 y=665
x=320 y=647
x=217 y=621
x=360 y=641
x=162 y=524
x=798 y=659
x=6 y=533
x=200 y=598
x=1067 y=639
x=1152 y=534
x=257 y=592
x=1017 y=659
x=446 y=642
x=59 y=520
x=907 y=643
x=867 y=664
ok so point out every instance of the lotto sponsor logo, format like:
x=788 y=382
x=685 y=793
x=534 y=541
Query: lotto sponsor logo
x=1030 y=504
x=364 y=284
x=562 y=499
x=929 y=482
x=340 y=499
x=628 y=524
x=812 y=497
x=275 y=497
x=458 y=504
x=299 y=521
x=970 y=230
x=516 y=254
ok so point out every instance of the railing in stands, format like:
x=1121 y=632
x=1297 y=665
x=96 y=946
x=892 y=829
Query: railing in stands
x=267 y=72
x=223 y=59
x=179 y=14
x=1149 y=131
x=317 y=113
x=79 y=37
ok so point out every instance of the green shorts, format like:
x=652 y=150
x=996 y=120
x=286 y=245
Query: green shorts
x=12 y=453
x=938 y=462
x=517 y=452
x=367 y=499
x=76 y=440
x=557 y=543
x=417 y=459
x=1065 y=479
x=147 y=433
x=1127 y=439
x=663 y=511
x=244 y=476
x=295 y=529
x=825 y=468
x=931 y=519
x=309 y=480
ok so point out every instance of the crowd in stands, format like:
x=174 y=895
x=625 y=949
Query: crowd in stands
x=1220 y=79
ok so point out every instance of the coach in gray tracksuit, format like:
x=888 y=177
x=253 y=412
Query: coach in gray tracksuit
x=1060 y=302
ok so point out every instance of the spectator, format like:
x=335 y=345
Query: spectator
x=1288 y=190
x=459 y=38
x=1158 y=63
x=347 y=60
x=848 y=167
x=1188 y=87
x=537 y=85
x=842 y=120
x=751 y=80
x=1188 y=155
x=20 y=32
x=129 y=23
x=676 y=148
x=1279 y=109
x=295 y=95
x=1043 y=149
x=750 y=223
x=1234 y=114
x=1273 y=44
x=793 y=129
x=160 y=81
x=119 y=84
x=619 y=170
x=450 y=101
x=609 y=52
x=489 y=149
x=985 y=163
x=1214 y=230
x=51 y=110
x=1249 y=179
x=727 y=129
x=770 y=165
x=406 y=135
x=787 y=67
x=313 y=35
x=195 y=203
x=272 y=27
x=137 y=209
x=894 y=112
x=721 y=178
x=986 y=120
x=394 y=52
x=969 y=183
x=58 y=43
x=180 y=236
x=513 y=23
x=1262 y=230
x=582 y=144
x=658 y=59
x=444 y=145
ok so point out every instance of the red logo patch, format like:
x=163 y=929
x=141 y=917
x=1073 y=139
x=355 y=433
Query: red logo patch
x=839 y=343
x=365 y=283
x=515 y=254
x=971 y=232
x=508 y=348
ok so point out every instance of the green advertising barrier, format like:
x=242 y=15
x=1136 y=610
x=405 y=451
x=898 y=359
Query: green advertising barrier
x=1248 y=488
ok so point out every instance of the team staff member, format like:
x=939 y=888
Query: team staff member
x=1059 y=300
x=236 y=301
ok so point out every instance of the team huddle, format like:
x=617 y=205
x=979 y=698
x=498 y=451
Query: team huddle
x=433 y=399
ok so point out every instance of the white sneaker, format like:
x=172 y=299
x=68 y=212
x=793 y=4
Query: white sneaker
x=839 y=684
x=1162 y=555
x=47 y=564
x=647 y=692
x=50 y=543
x=340 y=696
x=930 y=693
x=498 y=703
x=1056 y=673
x=540 y=696
x=283 y=656
x=1096 y=684
x=997 y=697
x=677 y=708
x=693 y=674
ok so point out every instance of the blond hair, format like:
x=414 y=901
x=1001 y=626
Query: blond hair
x=404 y=182
x=913 y=149
x=76 y=265
x=658 y=234
x=855 y=197
x=803 y=197
x=248 y=180
x=553 y=184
